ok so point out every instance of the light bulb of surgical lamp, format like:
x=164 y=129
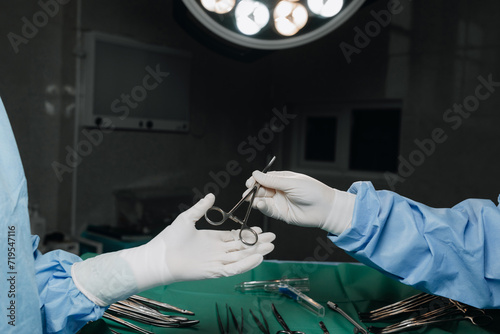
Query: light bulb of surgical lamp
x=325 y=8
x=289 y=17
x=251 y=16
x=218 y=6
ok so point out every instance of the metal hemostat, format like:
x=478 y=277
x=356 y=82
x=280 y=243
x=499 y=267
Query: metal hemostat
x=432 y=309
x=237 y=325
x=247 y=235
x=159 y=305
x=134 y=309
x=417 y=303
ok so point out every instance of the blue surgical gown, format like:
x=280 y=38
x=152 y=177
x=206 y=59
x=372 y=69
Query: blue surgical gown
x=450 y=252
x=38 y=293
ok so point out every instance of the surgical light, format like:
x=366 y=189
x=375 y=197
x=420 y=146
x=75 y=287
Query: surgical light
x=218 y=6
x=251 y=16
x=325 y=8
x=264 y=24
x=289 y=17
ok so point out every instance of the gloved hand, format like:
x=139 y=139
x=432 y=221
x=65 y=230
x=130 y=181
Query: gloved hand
x=301 y=200
x=179 y=253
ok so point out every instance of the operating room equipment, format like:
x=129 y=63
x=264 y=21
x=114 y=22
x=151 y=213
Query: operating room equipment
x=286 y=329
x=301 y=284
x=247 y=235
x=444 y=314
x=106 y=315
x=133 y=309
x=238 y=326
x=417 y=303
x=229 y=313
x=431 y=309
x=336 y=308
x=301 y=298
x=290 y=287
x=264 y=328
x=164 y=306
x=219 y=320
x=323 y=327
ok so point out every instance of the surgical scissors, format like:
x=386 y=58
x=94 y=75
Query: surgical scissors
x=253 y=237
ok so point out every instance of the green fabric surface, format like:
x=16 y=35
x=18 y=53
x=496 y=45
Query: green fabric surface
x=353 y=287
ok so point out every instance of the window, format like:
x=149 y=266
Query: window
x=320 y=130
x=347 y=137
x=375 y=139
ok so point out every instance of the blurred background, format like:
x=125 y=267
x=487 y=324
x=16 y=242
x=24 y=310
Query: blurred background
x=410 y=103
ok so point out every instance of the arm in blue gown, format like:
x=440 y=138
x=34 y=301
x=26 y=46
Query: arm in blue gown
x=64 y=308
x=40 y=296
x=449 y=252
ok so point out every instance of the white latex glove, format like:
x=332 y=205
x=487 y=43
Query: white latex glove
x=301 y=200
x=179 y=253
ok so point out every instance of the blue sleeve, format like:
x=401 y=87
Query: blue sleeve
x=58 y=307
x=448 y=252
x=64 y=308
x=18 y=293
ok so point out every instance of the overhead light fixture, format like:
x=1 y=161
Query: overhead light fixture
x=325 y=8
x=251 y=16
x=247 y=23
x=218 y=6
x=289 y=17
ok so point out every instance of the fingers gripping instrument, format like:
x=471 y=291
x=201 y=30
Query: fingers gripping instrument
x=247 y=235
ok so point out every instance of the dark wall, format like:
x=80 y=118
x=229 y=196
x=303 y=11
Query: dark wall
x=430 y=57
x=228 y=102
x=32 y=89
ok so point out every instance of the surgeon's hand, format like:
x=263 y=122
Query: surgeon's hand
x=179 y=253
x=301 y=200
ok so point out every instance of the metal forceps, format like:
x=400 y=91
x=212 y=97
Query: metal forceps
x=247 y=235
x=238 y=326
x=264 y=328
x=286 y=329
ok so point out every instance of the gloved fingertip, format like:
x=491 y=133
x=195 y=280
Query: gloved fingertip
x=265 y=249
x=257 y=229
x=257 y=175
x=246 y=193
x=255 y=259
x=199 y=209
x=261 y=205
x=267 y=237
x=250 y=182
x=258 y=259
x=210 y=197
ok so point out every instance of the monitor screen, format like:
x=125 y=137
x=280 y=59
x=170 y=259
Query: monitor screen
x=134 y=85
